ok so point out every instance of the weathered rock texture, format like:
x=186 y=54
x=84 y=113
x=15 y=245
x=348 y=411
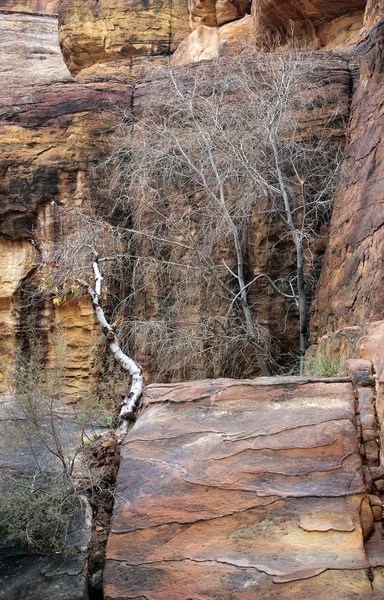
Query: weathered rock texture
x=315 y=24
x=92 y=33
x=101 y=32
x=248 y=489
x=374 y=12
x=306 y=20
x=29 y=50
x=51 y=135
x=26 y=576
x=350 y=288
x=365 y=342
x=36 y=7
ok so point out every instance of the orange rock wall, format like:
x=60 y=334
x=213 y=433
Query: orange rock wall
x=249 y=490
x=44 y=7
x=51 y=135
x=92 y=32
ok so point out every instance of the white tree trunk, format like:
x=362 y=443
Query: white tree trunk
x=131 y=400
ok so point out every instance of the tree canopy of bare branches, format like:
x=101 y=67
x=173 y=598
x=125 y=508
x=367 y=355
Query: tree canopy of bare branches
x=215 y=146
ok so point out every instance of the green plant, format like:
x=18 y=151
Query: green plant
x=42 y=509
x=325 y=364
x=40 y=512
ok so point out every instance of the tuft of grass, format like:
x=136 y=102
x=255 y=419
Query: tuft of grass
x=325 y=365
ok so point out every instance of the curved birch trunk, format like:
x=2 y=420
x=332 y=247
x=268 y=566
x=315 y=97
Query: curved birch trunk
x=131 y=400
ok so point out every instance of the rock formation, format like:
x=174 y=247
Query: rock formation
x=248 y=489
x=101 y=32
x=51 y=137
x=51 y=134
x=50 y=173
x=229 y=489
x=349 y=291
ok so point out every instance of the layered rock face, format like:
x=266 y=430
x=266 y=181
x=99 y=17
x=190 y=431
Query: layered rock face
x=248 y=489
x=310 y=21
x=92 y=33
x=349 y=291
x=35 y=7
x=101 y=32
x=51 y=134
x=29 y=49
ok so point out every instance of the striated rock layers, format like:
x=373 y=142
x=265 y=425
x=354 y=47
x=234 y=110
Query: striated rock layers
x=29 y=50
x=247 y=490
x=51 y=135
x=114 y=29
x=34 y=7
x=350 y=288
x=99 y=32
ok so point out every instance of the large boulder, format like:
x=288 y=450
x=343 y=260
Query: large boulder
x=243 y=489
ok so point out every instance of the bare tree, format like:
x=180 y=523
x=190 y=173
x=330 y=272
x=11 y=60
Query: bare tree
x=212 y=146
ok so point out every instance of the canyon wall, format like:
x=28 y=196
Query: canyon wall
x=52 y=126
x=349 y=291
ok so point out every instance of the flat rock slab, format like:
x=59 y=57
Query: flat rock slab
x=25 y=576
x=241 y=490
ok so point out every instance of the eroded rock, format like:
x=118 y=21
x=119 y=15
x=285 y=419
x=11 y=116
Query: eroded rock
x=92 y=32
x=235 y=488
x=349 y=291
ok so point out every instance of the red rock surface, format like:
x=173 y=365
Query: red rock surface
x=350 y=287
x=246 y=490
x=37 y=7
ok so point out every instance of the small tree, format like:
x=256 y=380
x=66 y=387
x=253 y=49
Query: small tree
x=213 y=146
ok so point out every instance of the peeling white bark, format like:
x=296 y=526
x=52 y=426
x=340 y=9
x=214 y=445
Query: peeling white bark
x=131 y=400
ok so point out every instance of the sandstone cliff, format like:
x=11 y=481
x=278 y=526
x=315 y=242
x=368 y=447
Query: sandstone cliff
x=310 y=480
x=349 y=291
x=52 y=134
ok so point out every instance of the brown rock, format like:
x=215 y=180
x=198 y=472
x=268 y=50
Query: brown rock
x=214 y=13
x=206 y=43
x=374 y=12
x=231 y=10
x=41 y=7
x=371 y=449
x=92 y=32
x=229 y=489
x=279 y=19
x=350 y=287
x=202 y=12
x=377 y=473
x=379 y=484
x=366 y=518
x=375 y=501
x=360 y=371
x=50 y=137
